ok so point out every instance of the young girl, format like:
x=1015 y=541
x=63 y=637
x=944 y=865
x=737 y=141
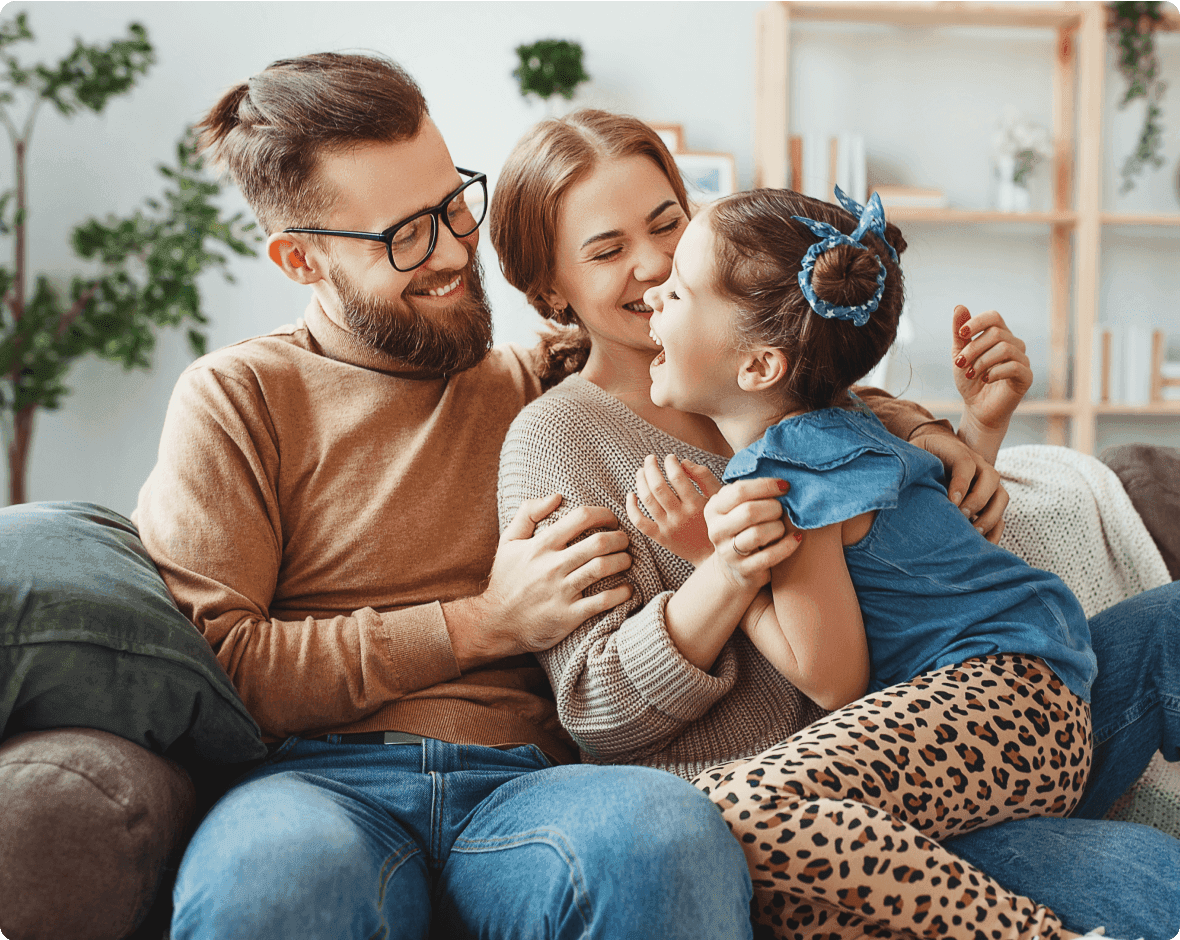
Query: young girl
x=978 y=666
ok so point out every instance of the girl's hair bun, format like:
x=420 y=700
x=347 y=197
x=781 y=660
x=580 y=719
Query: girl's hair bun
x=845 y=276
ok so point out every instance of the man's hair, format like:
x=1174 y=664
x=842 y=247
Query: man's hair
x=270 y=132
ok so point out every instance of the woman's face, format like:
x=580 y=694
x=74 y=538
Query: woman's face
x=617 y=230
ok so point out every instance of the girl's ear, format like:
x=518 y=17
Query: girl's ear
x=762 y=369
x=292 y=258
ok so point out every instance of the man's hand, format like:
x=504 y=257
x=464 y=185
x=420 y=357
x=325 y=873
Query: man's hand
x=973 y=485
x=534 y=598
x=992 y=373
x=674 y=505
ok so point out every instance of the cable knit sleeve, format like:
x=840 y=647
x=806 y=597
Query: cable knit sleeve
x=623 y=689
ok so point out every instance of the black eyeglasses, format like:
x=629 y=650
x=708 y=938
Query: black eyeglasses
x=411 y=241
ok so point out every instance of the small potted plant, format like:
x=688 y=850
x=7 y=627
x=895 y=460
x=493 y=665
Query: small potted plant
x=548 y=68
x=1018 y=146
x=1133 y=25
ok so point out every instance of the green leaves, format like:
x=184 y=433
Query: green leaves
x=150 y=260
x=550 y=67
x=153 y=259
x=86 y=78
x=1135 y=23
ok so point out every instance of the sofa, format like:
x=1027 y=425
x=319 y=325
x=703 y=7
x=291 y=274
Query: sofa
x=120 y=729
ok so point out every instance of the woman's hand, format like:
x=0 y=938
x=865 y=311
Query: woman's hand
x=749 y=531
x=992 y=373
x=974 y=484
x=675 y=507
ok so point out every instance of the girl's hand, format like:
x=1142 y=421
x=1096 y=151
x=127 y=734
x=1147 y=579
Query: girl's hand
x=675 y=507
x=748 y=530
x=992 y=373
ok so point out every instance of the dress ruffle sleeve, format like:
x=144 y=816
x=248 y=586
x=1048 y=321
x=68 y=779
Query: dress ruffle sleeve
x=834 y=460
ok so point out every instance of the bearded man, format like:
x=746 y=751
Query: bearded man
x=323 y=509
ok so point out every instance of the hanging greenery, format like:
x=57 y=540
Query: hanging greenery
x=550 y=67
x=1134 y=24
x=149 y=261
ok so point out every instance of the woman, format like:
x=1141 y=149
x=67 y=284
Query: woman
x=585 y=218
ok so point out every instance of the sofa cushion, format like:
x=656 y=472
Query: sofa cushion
x=88 y=824
x=1151 y=476
x=90 y=637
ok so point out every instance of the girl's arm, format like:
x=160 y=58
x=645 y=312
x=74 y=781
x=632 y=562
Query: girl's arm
x=675 y=506
x=808 y=625
x=704 y=612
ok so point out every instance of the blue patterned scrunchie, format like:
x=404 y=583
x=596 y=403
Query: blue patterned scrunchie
x=872 y=219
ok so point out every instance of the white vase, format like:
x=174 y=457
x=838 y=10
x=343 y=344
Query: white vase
x=1010 y=195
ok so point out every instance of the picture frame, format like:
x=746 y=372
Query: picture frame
x=707 y=176
x=671 y=134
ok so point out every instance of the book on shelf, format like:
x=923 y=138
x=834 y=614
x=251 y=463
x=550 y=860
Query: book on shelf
x=1128 y=367
x=905 y=197
x=819 y=163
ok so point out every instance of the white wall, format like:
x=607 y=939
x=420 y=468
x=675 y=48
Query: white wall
x=685 y=62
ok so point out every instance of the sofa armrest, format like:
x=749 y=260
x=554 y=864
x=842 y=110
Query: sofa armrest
x=88 y=823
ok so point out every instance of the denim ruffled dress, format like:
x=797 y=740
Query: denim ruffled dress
x=933 y=592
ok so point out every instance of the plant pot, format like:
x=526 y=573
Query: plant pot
x=1010 y=195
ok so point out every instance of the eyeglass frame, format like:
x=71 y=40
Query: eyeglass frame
x=435 y=212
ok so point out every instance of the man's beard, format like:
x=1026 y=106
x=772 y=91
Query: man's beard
x=441 y=343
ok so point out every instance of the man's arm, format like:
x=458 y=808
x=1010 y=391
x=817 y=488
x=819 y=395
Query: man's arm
x=211 y=517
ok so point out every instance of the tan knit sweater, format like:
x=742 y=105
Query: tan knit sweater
x=623 y=690
x=309 y=512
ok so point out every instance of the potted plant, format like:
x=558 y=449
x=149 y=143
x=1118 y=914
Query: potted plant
x=550 y=67
x=1133 y=26
x=149 y=261
x=1018 y=146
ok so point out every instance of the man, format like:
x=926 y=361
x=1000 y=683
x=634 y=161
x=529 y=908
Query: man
x=324 y=511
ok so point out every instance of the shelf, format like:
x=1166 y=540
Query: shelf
x=1064 y=408
x=1031 y=407
x=1161 y=408
x=1032 y=15
x=1123 y=218
x=942 y=215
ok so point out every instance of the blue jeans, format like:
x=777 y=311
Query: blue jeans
x=337 y=841
x=1089 y=871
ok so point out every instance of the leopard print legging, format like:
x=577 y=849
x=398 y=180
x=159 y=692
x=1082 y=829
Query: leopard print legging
x=839 y=823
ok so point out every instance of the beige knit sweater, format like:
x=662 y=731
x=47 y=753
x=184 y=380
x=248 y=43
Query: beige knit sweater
x=624 y=692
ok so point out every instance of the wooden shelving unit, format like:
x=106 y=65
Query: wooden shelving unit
x=1076 y=220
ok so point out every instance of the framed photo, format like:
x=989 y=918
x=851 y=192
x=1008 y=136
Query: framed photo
x=707 y=176
x=671 y=134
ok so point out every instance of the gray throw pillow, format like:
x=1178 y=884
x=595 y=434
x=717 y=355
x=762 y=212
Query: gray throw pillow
x=90 y=637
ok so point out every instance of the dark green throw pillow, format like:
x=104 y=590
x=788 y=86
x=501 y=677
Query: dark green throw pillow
x=90 y=637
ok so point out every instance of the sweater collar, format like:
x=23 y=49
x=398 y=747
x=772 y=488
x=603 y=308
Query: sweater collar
x=343 y=346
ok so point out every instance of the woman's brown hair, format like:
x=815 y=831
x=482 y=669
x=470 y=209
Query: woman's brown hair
x=270 y=131
x=759 y=254
x=526 y=206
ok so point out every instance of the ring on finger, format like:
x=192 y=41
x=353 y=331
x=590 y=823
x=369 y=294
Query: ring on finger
x=737 y=551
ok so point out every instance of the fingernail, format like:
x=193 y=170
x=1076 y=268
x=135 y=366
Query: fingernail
x=798 y=536
x=970 y=373
x=961 y=361
x=964 y=330
x=783 y=486
x=956 y=498
x=965 y=511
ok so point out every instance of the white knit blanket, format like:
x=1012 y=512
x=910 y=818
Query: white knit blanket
x=1069 y=514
